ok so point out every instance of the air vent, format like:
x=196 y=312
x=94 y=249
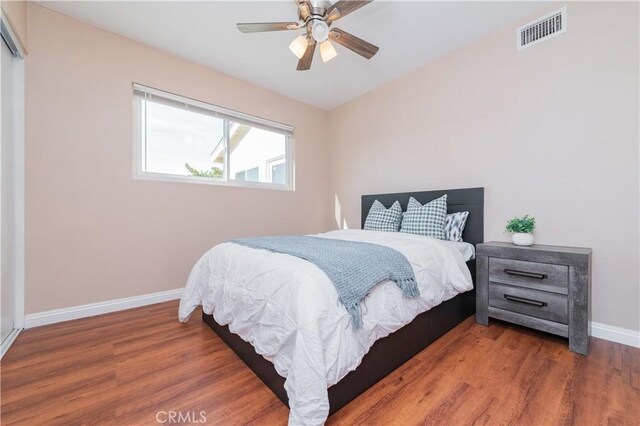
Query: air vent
x=542 y=29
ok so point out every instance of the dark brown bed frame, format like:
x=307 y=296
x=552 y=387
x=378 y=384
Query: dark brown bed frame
x=390 y=352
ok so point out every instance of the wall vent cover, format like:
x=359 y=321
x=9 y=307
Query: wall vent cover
x=542 y=29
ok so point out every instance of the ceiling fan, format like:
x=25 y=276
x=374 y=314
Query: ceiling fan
x=316 y=18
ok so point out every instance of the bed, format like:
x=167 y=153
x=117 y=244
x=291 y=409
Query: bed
x=387 y=352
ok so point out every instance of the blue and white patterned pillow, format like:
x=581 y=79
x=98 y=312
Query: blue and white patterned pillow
x=381 y=218
x=455 y=225
x=428 y=220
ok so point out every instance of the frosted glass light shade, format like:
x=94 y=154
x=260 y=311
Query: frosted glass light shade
x=299 y=45
x=327 y=51
x=320 y=31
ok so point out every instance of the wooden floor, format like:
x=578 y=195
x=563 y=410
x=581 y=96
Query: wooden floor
x=124 y=368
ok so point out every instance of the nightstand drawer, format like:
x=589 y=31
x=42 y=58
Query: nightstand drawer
x=541 y=276
x=541 y=304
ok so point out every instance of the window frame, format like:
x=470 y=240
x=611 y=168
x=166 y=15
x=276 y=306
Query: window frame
x=219 y=112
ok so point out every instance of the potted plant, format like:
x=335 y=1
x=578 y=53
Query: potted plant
x=522 y=229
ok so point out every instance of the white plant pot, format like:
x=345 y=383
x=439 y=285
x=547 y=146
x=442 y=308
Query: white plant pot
x=522 y=239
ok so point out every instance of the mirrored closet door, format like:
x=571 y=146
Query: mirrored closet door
x=11 y=191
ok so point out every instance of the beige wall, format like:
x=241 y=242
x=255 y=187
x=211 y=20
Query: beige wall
x=16 y=13
x=93 y=232
x=551 y=131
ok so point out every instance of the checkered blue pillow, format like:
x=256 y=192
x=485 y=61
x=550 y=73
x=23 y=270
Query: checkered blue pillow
x=428 y=220
x=381 y=218
x=455 y=225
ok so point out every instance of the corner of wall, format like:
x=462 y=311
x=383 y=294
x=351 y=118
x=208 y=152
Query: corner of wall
x=17 y=17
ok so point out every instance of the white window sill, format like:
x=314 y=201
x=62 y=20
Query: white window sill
x=164 y=177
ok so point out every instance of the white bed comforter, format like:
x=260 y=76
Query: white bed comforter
x=289 y=311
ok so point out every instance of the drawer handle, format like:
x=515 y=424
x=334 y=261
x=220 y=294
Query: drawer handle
x=525 y=274
x=525 y=301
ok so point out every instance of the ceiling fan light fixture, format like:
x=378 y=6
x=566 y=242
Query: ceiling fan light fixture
x=299 y=45
x=327 y=51
x=315 y=18
x=320 y=31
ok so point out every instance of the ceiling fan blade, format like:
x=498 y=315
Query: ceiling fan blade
x=304 y=8
x=344 y=7
x=258 y=27
x=305 y=62
x=351 y=42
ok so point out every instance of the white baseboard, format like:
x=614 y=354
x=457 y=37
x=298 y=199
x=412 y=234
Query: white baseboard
x=92 y=309
x=615 y=334
x=602 y=331
x=8 y=341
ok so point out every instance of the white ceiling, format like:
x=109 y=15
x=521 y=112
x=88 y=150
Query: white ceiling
x=409 y=34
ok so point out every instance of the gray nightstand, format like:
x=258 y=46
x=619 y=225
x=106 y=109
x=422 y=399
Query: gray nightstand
x=542 y=287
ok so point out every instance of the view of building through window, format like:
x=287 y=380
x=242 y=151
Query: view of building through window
x=252 y=153
x=185 y=141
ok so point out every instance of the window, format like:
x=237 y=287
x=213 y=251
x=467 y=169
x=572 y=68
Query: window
x=181 y=139
x=277 y=170
x=251 y=175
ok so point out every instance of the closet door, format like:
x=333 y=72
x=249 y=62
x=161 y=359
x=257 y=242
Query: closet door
x=7 y=195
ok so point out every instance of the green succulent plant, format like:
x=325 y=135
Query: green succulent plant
x=524 y=224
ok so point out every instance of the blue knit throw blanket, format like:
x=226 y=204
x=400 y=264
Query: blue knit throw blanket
x=353 y=267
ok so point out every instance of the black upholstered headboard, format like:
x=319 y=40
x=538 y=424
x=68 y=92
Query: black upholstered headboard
x=458 y=200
